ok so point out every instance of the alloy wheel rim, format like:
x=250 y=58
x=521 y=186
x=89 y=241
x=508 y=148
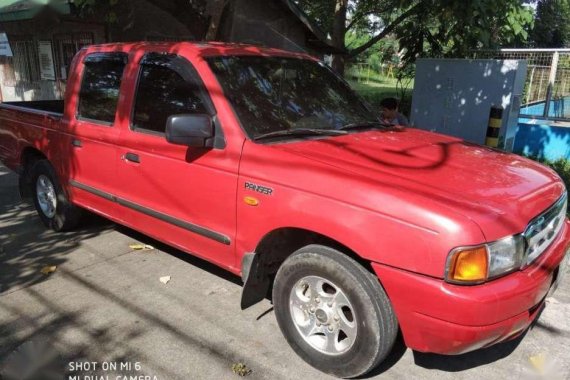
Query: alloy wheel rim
x=323 y=315
x=45 y=193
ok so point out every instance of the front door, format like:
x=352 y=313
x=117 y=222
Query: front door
x=182 y=195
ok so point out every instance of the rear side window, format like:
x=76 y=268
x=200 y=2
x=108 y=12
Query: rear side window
x=100 y=86
x=164 y=90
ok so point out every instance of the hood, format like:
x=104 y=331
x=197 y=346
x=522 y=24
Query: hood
x=499 y=191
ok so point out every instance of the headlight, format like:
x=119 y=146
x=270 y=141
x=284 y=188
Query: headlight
x=476 y=264
x=505 y=255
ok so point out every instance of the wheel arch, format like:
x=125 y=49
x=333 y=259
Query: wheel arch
x=259 y=267
x=28 y=156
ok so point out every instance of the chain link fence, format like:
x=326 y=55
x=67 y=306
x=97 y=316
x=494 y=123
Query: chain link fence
x=547 y=89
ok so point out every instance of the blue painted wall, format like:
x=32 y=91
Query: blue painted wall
x=543 y=139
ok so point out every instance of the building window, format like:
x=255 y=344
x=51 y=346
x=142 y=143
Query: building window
x=23 y=67
x=66 y=46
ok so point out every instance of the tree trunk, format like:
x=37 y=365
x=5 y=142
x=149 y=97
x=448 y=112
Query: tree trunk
x=339 y=32
x=214 y=9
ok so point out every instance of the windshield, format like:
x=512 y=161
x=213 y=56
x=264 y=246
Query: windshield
x=271 y=94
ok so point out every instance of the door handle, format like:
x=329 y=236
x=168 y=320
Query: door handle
x=76 y=143
x=132 y=157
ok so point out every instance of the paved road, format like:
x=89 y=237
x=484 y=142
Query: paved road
x=105 y=304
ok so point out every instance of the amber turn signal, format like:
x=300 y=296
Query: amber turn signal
x=251 y=201
x=468 y=265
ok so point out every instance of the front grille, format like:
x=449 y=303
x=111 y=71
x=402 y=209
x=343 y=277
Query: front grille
x=543 y=230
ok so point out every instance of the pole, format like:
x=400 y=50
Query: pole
x=529 y=93
x=551 y=81
x=494 y=126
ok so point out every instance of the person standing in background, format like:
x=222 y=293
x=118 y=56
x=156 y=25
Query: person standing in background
x=390 y=113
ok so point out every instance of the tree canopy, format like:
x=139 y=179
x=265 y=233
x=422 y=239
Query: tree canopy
x=430 y=27
x=436 y=28
x=552 y=24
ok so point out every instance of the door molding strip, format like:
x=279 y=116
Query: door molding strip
x=203 y=231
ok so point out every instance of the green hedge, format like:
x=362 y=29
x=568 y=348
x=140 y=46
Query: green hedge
x=560 y=166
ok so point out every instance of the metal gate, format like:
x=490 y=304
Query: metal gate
x=23 y=66
x=547 y=89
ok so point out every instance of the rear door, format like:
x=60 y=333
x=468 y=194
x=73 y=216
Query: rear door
x=92 y=132
x=182 y=195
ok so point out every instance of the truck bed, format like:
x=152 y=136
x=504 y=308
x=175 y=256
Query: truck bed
x=51 y=106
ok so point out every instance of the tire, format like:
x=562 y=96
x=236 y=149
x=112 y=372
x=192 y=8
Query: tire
x=50 y=201
x=351 y=303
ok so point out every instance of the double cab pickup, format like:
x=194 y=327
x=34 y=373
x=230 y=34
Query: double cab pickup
x=267 y=164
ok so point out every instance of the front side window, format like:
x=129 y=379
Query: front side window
x=162 y=92
x=100 y=86
x=271 y=94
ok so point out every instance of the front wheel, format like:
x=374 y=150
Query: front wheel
x=333 y=312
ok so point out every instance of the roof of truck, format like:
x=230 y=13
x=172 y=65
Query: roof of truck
x=203 y=48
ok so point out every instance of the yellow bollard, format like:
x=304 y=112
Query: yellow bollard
x=494 y=127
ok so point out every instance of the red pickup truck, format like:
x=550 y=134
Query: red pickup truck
x=267 y=164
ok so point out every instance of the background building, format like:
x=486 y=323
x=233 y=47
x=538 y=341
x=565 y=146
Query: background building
x=44 y=35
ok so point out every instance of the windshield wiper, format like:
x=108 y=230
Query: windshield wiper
x=365 y=124
x=300 y=132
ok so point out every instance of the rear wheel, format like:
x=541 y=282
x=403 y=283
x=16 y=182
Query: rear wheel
x=333 y=312
x=52 y=205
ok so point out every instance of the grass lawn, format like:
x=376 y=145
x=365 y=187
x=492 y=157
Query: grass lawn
x=374 y=91
x=375 y=86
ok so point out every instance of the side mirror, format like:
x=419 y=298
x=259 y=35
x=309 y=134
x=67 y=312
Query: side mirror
x=190 y=130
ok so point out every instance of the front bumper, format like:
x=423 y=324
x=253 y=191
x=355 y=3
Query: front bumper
x=443 y=318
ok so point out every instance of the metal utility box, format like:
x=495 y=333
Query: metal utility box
x=455 y=96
